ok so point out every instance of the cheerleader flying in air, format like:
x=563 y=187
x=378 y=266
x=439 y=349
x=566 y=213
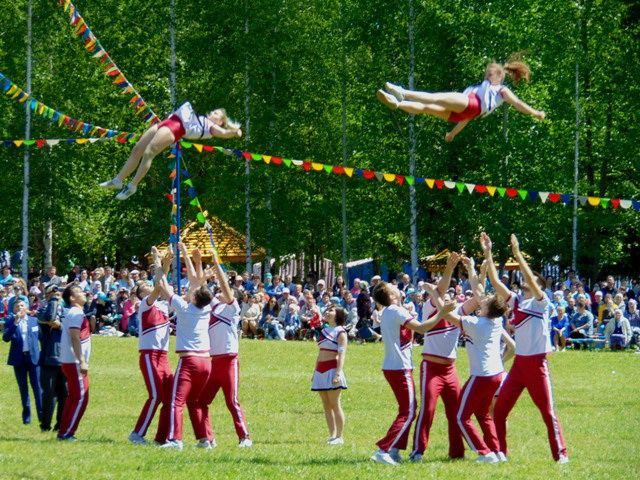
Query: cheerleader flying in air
x=183 y=123
x=475 y=101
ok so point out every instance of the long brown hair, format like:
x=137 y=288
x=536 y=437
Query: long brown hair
x=514 y=67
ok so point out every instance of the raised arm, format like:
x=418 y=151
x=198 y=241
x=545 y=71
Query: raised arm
x=445 y=310
x=529 y=277
x=161 y=283
x=219 y=132
x=226 y=294
x=501 y=288
x=476 y=287
x=455 y=130
x=521 y=106
x=445 y=281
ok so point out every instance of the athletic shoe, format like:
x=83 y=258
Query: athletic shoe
x=395 y=90
x=502 y=457
x=137 y=439
x=388 y=99
x=336 y=441
x=127 y=192
x=488 y=458
x=175 y=444
x=68 y=438
x=245 y=443
x=206 y=444
x=563 y=460
x=417 y=458
x=383 y=457
x=113 y=184
x=395 y=454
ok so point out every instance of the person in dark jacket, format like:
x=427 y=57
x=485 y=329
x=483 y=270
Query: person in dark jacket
x=22 y=331
x=52 y=380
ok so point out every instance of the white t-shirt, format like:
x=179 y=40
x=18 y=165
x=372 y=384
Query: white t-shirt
x=397 y=338
x=531 y=325
x=195 y=126
x=483 y=337
x=75 y=319
x=154 y=327
x=223 y=327
x=191 y=326
x=490 y=95
x=441 y=340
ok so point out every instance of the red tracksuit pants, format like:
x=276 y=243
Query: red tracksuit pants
x=438 y=380
x=158 y=379
x=475 y=399
x=188 y=382
x=77 y=399
x=401 y=382
x=224 y=375
x=532 y=373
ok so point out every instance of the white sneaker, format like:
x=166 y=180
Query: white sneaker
x=336 y=441
x=388 y=99
x=176 y=444
x=206 y=444
x=563 y=460
x=137 y=439
x=502 y=457
x=417 y=458
x=245 y=443
x=488 y=458
x=395 y=454
x=395 y=90
x=383 y=457
x=113 y=184
x=127 y=192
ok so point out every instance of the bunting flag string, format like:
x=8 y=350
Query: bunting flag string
x=54 y=142
x=92 y=45
x=15 y=93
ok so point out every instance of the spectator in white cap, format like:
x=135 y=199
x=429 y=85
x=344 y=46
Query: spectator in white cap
x=375 y=280
x=283 y=301
x=321 y=287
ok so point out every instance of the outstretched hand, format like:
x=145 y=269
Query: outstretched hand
x=540 y=115
x=449 y=306
x=167 y=260
x=485 y=242
x=469 y=264
x=452 y=261
x=449 y=137
x=515 y=245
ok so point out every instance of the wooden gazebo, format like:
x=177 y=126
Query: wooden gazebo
x=436 y=263
x=230 y=243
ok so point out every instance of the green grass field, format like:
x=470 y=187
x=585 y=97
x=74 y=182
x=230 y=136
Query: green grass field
x=597 y=398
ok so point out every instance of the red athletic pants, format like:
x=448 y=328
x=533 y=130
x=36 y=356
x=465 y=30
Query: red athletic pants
x=475 y=399
x=189 y=380
x=224 y=375
x=438 y=380
x=77 y=399
x=401 y=382
x=158 y=379
x=532 y=373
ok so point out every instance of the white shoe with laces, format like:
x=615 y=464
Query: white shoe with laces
x=127 y=192
x=206 y=444
x=502 y=457
x=137 y=439
x=113 y=184
x=383 y=457
x=488 y=458
x=395 y=90
x=173 y=444
x=245 y=443
x=336 y=441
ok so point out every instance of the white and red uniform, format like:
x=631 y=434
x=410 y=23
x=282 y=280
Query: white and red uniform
x=325 y=371
x=77 y=382
x=439 y=379
x=483 y=336
x=223 y=337
x=192 y=372
x=398 y=368
x=530 y=370
x=153 y=344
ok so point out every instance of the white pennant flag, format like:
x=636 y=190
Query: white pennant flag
x=470 y=187
x=543 y=196
x=450 y=184
x=625 y=203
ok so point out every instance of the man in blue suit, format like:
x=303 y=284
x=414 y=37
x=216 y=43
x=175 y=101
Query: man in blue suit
x=23 y=333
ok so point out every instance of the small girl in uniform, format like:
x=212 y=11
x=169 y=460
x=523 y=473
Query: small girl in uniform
x=328 y=378
x=475 y=101
x=183 y=123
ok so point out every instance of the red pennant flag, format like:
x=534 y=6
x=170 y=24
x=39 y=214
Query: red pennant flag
x=615 y=202
x=276 y=160
x=368 y=174
x=208 y=148
x=169 y=197
x=512 y=192
x=338 y=169
x=554 y=197
x=439 y=184
x=306 y=166
x=246 y=155
x=400 y=179
x=174 y=229
x=481 y=188
x=41 y=143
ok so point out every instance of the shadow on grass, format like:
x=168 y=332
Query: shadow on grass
x=55 y=440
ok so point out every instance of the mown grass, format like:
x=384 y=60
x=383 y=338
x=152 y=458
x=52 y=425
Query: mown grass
x=597 y=396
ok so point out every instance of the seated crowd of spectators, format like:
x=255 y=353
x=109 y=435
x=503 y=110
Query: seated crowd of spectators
x=284 y=309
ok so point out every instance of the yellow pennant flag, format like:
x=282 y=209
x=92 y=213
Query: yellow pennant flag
x=430 y=182
x=267 y=159
x=18 y=143
x=389 y=177
x=16 y=95
x=491 y=190
x=40 y=108
x=348 y=171
x=81 y=141
x=317 y=166
x=198 y=147
x=593 y=201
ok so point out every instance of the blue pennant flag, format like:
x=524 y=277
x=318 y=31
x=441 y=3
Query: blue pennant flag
x=566 y=198
x=533 y=195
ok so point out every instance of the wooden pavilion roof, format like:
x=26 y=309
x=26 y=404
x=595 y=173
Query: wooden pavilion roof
x=438 y=261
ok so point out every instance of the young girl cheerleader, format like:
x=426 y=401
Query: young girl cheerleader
x=183 y=123
x=328 y=378
x=475 y=101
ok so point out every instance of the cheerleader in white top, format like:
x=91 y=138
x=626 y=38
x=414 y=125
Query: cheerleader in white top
x=182 y=123
x=475 y=101
x=328 y=377
x=530 y=369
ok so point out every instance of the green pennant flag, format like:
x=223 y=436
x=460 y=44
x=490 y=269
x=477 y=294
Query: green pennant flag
x=219 y=149
x=460 y=186
x=201 y=218
x=174 y=220
x=186 y=144
x=287 y=162
x=195 y=202
x=523 y=194
x=502 y=191
x=328 y=168
x=410 y=180
x=605 y=202
x=256 y=156
x=29 y=142
x=188 y=182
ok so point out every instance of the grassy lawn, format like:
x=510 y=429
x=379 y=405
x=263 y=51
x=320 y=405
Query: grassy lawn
x=597 y=397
